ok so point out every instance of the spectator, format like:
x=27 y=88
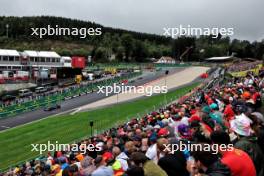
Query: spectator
x=149 y=167
x=210 y=164
x=101 y=168
x=247 y=142
x=135 y=171
x=87 y=166
x=238 y=161
x=174 y=163
x=121 y=157
x=217 y=114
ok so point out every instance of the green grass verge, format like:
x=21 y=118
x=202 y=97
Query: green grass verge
x=15 y=144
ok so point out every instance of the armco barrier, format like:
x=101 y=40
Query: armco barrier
x=27 y=108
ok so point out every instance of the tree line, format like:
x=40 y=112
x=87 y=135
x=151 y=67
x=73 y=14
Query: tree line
x=118 y=44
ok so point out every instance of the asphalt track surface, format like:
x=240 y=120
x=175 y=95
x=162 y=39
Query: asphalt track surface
x=71 y=104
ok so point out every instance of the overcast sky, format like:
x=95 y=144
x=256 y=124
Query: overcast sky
x=245 y=16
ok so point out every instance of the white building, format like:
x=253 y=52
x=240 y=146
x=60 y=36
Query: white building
x=10 y=60
x=166 y=60
x=66 y=61
x=42 y=59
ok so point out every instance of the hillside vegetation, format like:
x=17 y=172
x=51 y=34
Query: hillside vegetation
x=118 y=44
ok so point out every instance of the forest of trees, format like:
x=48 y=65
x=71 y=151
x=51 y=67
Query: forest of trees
x=123 y=44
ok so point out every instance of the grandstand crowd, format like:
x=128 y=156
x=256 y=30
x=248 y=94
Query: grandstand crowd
x=243 y=66
x=228 y=113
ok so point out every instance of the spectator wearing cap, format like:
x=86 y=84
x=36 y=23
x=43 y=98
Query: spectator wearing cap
x=108 y=158
x=207 y=128
x=156 y=127
x=247 y=142
x=163 y=132
x=137 y=141
x=247 y=97
x=206 y=109
x=216 y=115
x=229 y=114
x=194 y=118
x=184 y=132
x=168 y=127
